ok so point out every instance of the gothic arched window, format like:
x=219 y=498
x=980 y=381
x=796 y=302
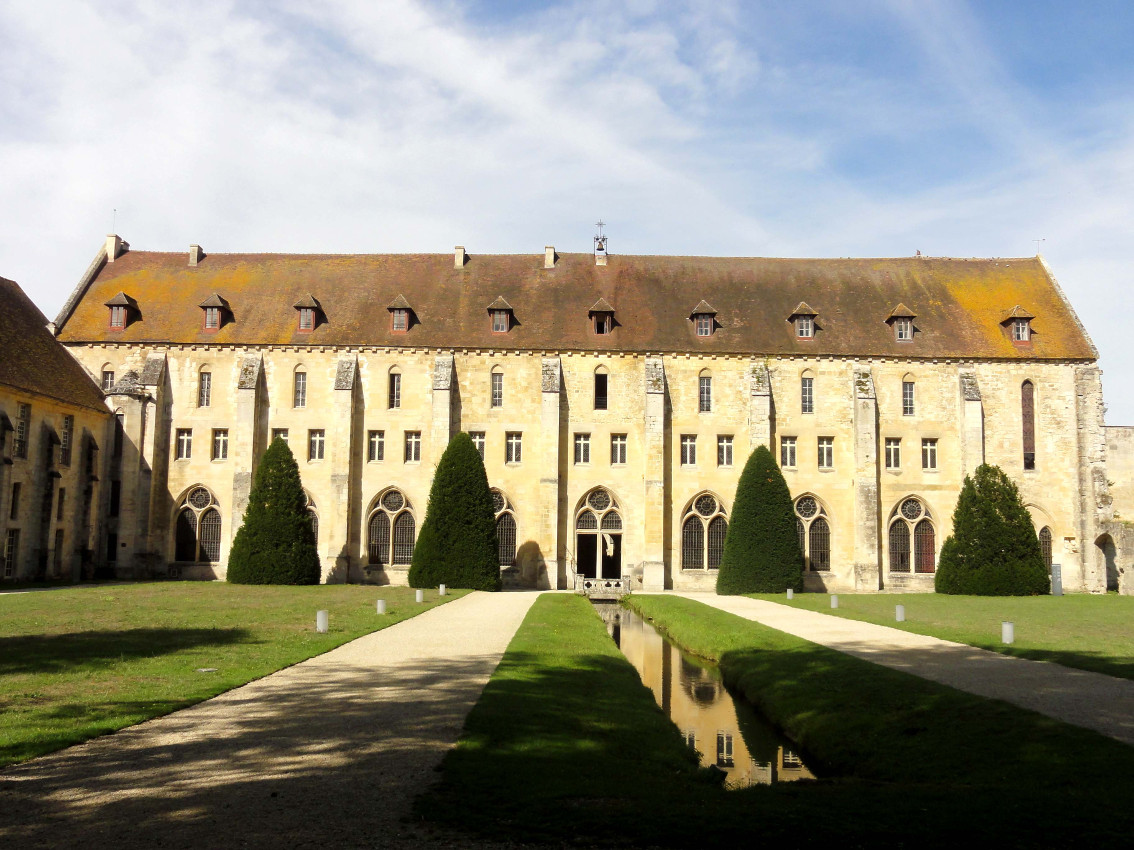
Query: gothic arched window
x=703 y=531
x=198 y=528
x=814 y=533
x=910 y=522
x=391 y=530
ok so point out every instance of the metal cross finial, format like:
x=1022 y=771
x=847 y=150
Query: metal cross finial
x=1037 y=241
x=600 y=224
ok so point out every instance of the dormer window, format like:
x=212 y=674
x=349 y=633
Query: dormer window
x=306 y=319
x=704 y=319
x=216 y=312
x=309 y=313
x=401 y=315
x=123 y=309
x=1018 y=323
x=501 y=313
x=602 y=314
x=803 y=317
x=901 y=319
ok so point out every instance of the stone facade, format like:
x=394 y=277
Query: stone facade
x=875 y=446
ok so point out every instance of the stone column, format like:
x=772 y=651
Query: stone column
x=442 y=421
x=553 y=573
x=132 y=470
x=761 y=423
x=153 y=498
x=655 y=458
x=336 y=520
x=867 y=524
x=1095 y=504
x=972 y=423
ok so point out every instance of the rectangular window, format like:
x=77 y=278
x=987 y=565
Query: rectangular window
x=807 y=395
x=375 y=446
x=23 y=427
x=212 y=318
x=805 y=327
x=184 y=443
x=400 y=320
x=117 y=317
x=205 y=389
x=57 y=556
x=279 y=434
x=704 y=324
x=1020 y=330
x=907 y=398
x=724 y=750
x=688 y=449
x=107 y=380
x=66 y=440
x=112 y=546
x=893 y=453
x=478 y=441
x=306 y=318
x=413 y=447
x=903 y=330
x=497 y=389
x=724 y=450
x=617 y=449
x=119 y=433
x=826 y=452
x=11 y=550
x=14 y=508
x=500 y=321
x=115 y=497
x=394 y=391
x=602 y=323
x=513 y=445
x=582 y=448
x=601 y=400
x=929 y=454
x=299 y=394
x=220 y=444
x=60 y=504
x=787 y=451
x=705 y=394
x=316 y=440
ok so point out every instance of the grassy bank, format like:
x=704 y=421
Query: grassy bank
x=566 y=745
x=1088 y=631
x=80 y=662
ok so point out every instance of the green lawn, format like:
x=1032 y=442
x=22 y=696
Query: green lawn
x=567 y=746
x=1092 y=632
x=83 y=661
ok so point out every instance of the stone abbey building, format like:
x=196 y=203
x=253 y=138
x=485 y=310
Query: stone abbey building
x=615 y=400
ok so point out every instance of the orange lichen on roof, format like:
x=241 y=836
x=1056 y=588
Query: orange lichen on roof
x=961 y=303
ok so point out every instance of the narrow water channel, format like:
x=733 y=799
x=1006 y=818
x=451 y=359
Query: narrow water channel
x=725 y=732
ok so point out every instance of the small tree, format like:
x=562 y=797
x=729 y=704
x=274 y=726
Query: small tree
x=993 y=550
x=761 y=549
x=457 y=543
x=276 y=543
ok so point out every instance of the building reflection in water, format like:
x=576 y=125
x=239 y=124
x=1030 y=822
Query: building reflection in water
x=727 y=733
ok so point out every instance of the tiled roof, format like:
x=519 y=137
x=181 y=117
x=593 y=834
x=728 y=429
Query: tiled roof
x=307 y=301
x=31 y=359
x=214 y=300
x=1018 y=312
x=902 y=312
x=500 y=304
x=961 y=303
x=704 y=308
x=601 y=306
x=802 y=309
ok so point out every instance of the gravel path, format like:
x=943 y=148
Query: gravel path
x=328 y=753
x=1091 y=700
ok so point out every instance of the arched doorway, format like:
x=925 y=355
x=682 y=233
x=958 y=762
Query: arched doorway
x=1109 y=554
x=598 y=537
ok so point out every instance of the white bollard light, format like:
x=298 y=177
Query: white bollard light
x=322 y=622
x=900 y=613
x=381 y=606
x=1008 y=632
x=441 y=590
x=790 y=593
x=420 y=596
x=834 y=600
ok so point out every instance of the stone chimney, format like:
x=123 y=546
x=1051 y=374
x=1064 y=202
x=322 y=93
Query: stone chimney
x=195 y=254
x=114 y=245
x=459 y=257
x=549 y=257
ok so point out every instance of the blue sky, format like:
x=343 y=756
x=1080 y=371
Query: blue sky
x=780 y=129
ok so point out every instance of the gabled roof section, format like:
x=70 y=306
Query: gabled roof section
x=399 y=303
x=121 y=300
x=600 y=306
x=214 y=300
x=307 y=301
x=499 y=304
x=801 y=309
x=961 y=302
x=901 y=312
x=1018 y=312
x=704 y=309
x=30 y=358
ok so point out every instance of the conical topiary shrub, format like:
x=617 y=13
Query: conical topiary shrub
x=761 y=549
x=993 y=550
x=275 y=544
x=457 y=543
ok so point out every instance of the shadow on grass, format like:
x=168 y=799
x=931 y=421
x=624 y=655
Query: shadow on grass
x=1094 y=662
x=65 y=652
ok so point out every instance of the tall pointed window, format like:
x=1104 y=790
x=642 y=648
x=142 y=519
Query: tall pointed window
x=1028 y=421
x=703 y=532
x=204 y=389
x=705 y=393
